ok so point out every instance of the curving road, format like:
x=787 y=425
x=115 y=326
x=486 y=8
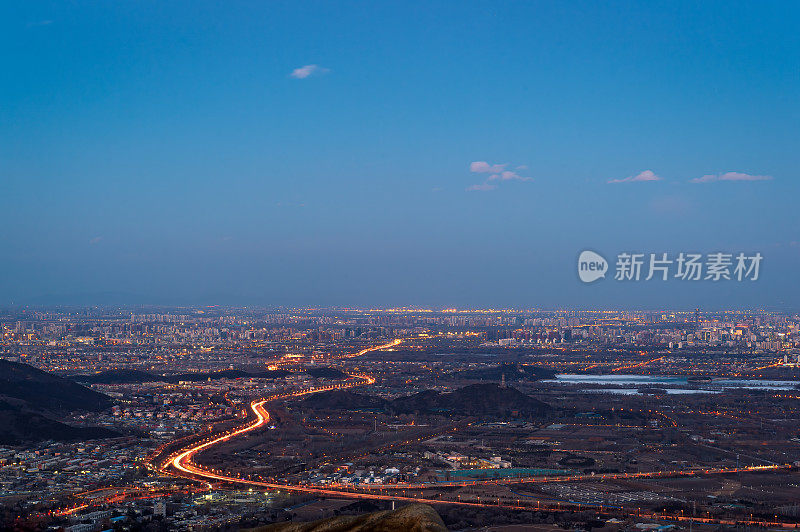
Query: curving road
x=183 y=461
x=182 y=465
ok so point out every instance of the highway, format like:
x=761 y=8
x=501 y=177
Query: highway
x=181 y=463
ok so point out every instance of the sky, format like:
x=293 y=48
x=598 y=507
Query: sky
x=395 y=153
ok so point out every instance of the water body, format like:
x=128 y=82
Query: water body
x=635 y=391
x=674 y=384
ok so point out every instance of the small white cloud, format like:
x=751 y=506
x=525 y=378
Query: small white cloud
x=95 y=240
x=482 y=167
x=481 y=187
x=508 y=175
x=498 y=174
x=730 y=176
x=647 y=175
x=308 y=70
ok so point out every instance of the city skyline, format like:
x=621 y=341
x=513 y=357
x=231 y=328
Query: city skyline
x=226 y=418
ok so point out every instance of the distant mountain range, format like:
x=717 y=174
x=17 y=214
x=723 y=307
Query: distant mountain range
x=473 y=400
x=125 y=376
x=31 y=398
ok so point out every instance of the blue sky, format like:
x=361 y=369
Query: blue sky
x=320 y=152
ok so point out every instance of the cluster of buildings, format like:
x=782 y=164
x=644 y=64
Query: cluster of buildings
x=219 y=327
x=456 y=460
x=752 y=337
x=48 y=468
x=350 y=475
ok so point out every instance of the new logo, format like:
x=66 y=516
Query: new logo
x=591 y=266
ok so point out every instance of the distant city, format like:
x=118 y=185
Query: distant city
x=219 y=418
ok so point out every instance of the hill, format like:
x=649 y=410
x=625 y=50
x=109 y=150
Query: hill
x=125 y=376
x=473 y=400
x=326 y=373
x=411 y=518
x=343 y=400
x=512 y=372
x=42 y=391
x=114 y=376
x=128 y=376
x=18 y=425
x=30 y=397
x=224 y=374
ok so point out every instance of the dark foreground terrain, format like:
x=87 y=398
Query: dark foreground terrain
x=32 y=402
x=411 y=518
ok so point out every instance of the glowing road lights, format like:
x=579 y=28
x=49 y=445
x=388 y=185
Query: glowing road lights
x=183 y=463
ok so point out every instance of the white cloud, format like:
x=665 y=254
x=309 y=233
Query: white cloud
x=498 y=173
x=95 y=240
x=308 y=70
x=482 y=167
x=730 y=176
x=481 y=187
x=508 y=175
x=647 y=175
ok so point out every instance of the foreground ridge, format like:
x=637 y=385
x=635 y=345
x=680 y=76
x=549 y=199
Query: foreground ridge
x=411 y=518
